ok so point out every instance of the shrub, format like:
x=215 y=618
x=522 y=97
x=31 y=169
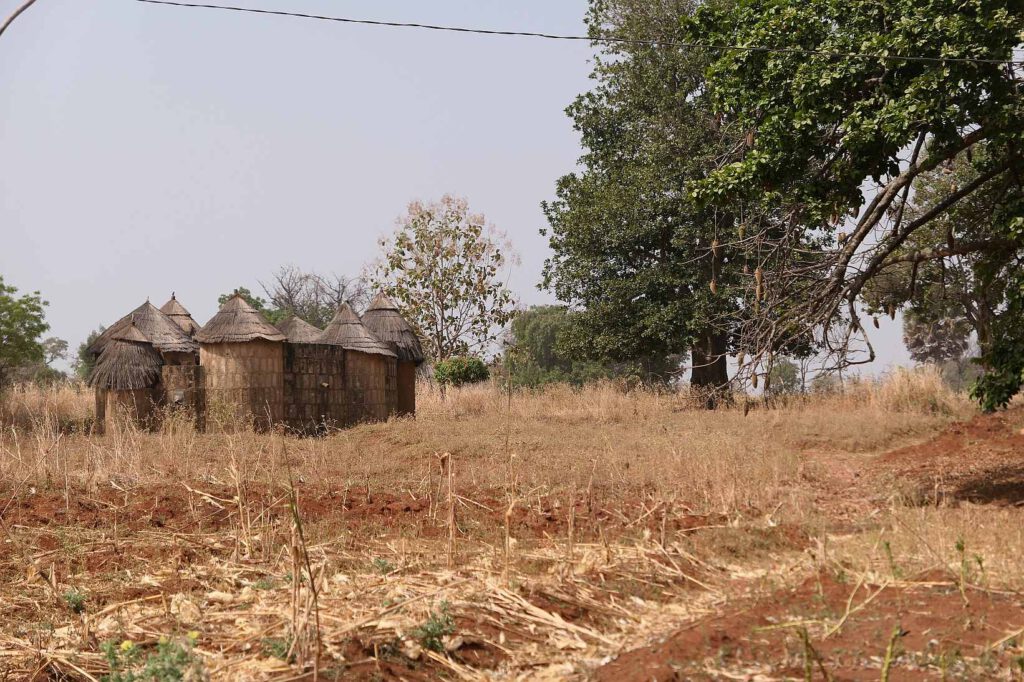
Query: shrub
x=461 y=370
x=75 y=600
x=438 y=625
x=172 y=661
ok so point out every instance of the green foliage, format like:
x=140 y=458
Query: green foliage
x=84 y=360
x=630 y=250
x=21 y=324
x=172 y=661
x=382 y=566
x=461 y=370
x=267 y=582
x=536 y=354
x=444 y=267
x=784 y=378
x=278 y=647
x=439 y=625
x=75 y=601
x=1004 y=361
x=827 y=129
x=273 y=315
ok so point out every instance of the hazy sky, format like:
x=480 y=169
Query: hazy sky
x=145 y=149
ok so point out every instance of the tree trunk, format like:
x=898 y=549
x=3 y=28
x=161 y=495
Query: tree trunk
x=710 y=375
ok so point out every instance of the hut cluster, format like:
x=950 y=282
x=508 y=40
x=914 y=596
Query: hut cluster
x=239 y=368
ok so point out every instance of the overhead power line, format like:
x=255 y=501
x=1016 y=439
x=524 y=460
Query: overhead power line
x=605 y=39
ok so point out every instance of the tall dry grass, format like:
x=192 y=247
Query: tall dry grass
x=555 y=440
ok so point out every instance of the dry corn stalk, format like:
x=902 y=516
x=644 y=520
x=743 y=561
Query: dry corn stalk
x=449 y=463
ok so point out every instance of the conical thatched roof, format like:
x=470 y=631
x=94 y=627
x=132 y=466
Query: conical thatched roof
x=238 y=322
x=387 y=324
x=347 y=331
x=160 y=329
x=128 y=362
x=298 y=330
x=177 y=312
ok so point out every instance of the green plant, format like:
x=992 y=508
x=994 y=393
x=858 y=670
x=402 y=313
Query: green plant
x=21 y=324
x=896 y=571
x=75 y=600
x=172 y=661
x=267 y=582
x=461 y=370
x=278 y=647
x=438 y=625
x=843 y=146
x=382 y=566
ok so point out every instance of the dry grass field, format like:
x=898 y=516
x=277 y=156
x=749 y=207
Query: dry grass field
x=593 y=534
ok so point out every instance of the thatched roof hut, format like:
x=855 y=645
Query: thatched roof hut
x=128 y=362
x=387 y=324
x=298 y=330
x=181 y=317
x=238 y=322
x=348 y=331
x=165 y=335
x=243 y=357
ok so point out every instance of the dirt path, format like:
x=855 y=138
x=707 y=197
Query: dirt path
x=833 y=625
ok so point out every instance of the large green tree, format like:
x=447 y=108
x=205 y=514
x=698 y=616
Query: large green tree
x=644 y=267
x=536 y=352
x=841 y=129
x=22 y=323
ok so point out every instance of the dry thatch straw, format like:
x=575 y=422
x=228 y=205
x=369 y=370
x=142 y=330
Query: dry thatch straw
x=347 y=331
x=161 y=330
x=181 y=317
x=128 y=362
x=298 y=330
x=387 y=324
x=238 y=322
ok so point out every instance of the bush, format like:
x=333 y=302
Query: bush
x=172 y=661
x=459 y=371
x=439 y=625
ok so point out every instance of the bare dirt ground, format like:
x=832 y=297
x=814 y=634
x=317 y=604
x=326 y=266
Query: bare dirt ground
x=942 y=622
x=846 y=560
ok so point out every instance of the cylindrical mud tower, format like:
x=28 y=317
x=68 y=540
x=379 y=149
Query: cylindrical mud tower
x=383 y=319
x=242 y=356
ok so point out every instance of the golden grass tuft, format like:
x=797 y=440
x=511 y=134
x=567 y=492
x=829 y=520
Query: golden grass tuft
x=558 y=439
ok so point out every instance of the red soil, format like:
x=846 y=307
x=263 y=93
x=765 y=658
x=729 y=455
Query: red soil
x=980 y=461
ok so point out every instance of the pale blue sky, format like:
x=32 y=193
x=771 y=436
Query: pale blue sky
x=145 y=149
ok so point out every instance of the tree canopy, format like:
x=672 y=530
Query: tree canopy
x=536 y=353
x=22 y=323
x=839 y=132
x=642 y=265
x=447 y=269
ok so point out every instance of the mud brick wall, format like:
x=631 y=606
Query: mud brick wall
x=180 y=358
x=138 y=408
x=314 y=387
x=246 y=377
x=372 y=385
x=184 y=389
